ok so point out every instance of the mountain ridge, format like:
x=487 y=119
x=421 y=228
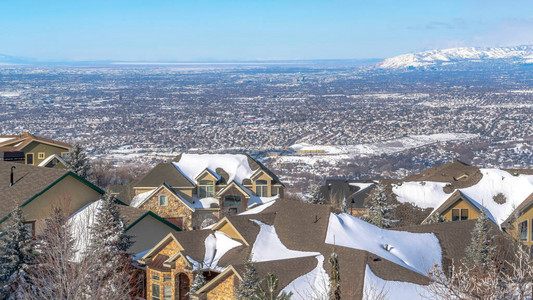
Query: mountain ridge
x=455 y=56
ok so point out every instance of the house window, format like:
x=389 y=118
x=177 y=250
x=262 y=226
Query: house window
x=206 y=188
x=261 y=188
x=155 y=276
x=167 y=292
x=522 y=230
x=166 y=278
x=232 y=200
x=459 y=214
x=156 y=292
x=29 y=158
x=40 y=155
x=232 y=211
x=64 y=155
x=163 y=200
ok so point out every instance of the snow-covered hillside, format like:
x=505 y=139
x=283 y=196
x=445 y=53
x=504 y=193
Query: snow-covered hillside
x=519 y=55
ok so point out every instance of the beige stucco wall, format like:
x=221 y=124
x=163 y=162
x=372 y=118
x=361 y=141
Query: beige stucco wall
x=147 y=233
x=69 y=194
x=36 y=147
x=472 y=213
x=527 y=216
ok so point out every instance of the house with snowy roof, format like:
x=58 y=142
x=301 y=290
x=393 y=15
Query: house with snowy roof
x=349 y=192
x=33 y=150
x=458 y=192
x=195 y=190
x=294 y=240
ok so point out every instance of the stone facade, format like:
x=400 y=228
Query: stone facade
x=175 y=208
x=224 y=290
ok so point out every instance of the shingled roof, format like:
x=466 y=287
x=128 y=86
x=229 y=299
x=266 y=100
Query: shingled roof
x=302 y=229
x=18 y=142
x=29 y=182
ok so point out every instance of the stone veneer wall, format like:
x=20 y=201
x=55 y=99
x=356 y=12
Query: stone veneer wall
x=225 y=290
x=175 y=208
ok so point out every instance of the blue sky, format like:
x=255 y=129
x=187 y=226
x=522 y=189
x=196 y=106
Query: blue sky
x=191 y=30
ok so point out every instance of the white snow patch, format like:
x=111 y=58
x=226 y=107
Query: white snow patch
x=236 y=165
x=515 y=188
x=431 y=194
x=81 y=223
x=313 y=285
x=399 y=290
x=216 y=245
x=139 y=199
x=5 y=139
x=361 y=185
x=416 y=251
x=268 y=246
x=424 y=194
x=258 y=208
x=202 y=203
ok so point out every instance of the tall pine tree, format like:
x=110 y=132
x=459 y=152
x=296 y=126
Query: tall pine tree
x=315 y=195
x=267 y=289
x=334 y=278
x=379 y=209
x=77 y=160
x=198 y=282
x=16 y=255
x=249 y=284
x=108 y=246
x=481 y=250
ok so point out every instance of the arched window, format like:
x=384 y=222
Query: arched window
x=261 y=188
x=206 y=188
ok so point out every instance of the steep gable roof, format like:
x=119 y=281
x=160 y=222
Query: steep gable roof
x=164 y=172
x=30 y=182
x=165 y=186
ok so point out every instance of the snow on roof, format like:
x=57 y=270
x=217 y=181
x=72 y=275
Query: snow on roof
x=236 y=165
x=431 y=194
x=399 y=290
x=255 y=200
x=216 y=245
x=313 y=285
x=204 y=202
x=259 y=208
x=415 y=251
x=268 y=246
x=51 y=157
x=361 y=185
x=515 y=189
x=428 y=194
x=3 y=139
x=81 y=223
x=139 y=199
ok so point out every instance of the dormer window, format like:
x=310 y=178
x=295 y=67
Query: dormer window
x=163 y=200
x=206 y=188
x=261 y=188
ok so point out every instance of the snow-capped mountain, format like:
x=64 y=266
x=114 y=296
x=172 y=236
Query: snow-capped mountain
x=456 y=56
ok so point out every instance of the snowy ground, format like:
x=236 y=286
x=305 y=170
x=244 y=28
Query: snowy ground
x=336 y=153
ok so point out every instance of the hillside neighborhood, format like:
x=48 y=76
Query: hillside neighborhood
x=224 y=226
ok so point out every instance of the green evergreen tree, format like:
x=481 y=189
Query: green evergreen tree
x=380 y=210
x=16 y=255
x=334 y=278
x=480 y=252
x=436 y=218
x=249 y=284
x=198 y=282
x=109 y=244
x=267 y=289
x=315 y=195
x=77 y=160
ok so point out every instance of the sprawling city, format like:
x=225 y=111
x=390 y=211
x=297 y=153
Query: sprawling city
x=247 y=150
